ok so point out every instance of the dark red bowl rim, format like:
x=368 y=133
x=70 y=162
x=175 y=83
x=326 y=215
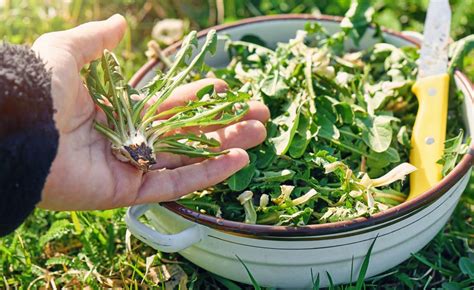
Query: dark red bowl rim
x=395 y=213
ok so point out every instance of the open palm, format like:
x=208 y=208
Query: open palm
x=85 y=175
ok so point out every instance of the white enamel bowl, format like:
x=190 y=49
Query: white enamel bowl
x=284 y=257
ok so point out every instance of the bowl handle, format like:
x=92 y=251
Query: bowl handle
x=162 y=242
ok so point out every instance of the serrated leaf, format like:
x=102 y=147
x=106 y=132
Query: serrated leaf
x=212 y=39
x=185 y=51
x=176 y=147
x=302 y=137
x=207 y=90
x=454 y=149
x=287 y=125
x=210 y=45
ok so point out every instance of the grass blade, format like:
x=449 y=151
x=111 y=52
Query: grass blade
x=254 y=282
x=425 y=261
x=227 y=283
x=352 y=269
x=331 y=283
x=364 y=267
x=315 y=282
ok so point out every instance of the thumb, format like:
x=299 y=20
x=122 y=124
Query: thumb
x=86 y=42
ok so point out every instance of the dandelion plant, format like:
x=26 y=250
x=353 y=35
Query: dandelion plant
x=135 y=128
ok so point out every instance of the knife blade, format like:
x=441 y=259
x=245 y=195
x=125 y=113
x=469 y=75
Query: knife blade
x=431 y=90
x=434 y=49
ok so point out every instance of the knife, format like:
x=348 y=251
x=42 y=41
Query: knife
x=431 y=90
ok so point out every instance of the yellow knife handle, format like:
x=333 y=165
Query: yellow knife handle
x=429 y=132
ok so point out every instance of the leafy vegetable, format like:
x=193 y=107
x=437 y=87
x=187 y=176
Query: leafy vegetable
x=357 y=19
x=242 y=178
x=287 y=124
x=339 y=135
x=453 y=151
x=378 y=133
x=137 y=132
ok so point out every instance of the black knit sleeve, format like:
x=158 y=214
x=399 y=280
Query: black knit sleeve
x=28 y=136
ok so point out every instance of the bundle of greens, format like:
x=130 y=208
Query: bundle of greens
x=135 y=128
x=339 y=135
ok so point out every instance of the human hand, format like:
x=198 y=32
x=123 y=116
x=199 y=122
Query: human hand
x=85 y=175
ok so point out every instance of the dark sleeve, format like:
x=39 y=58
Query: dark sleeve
x=28 y=136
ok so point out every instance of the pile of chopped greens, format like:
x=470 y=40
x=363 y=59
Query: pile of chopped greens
x=339 y=135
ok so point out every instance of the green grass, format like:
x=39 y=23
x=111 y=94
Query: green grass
x=68 y=249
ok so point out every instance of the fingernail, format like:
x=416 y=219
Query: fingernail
x=115 y=16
